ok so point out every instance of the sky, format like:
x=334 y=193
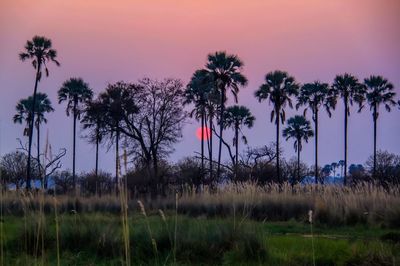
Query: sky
x=107 y=41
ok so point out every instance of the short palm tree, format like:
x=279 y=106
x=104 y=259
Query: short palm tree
x=299 y=129
x=94 y=121
x=225 y=71
x=76 y=93
x=236 y=117
x=196 y=93
x=348 y=88
x=39 y=51
x=379 y=91
x=24 y=107
x=278 y=88
x=313 y=96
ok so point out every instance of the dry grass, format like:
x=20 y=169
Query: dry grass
x=332 y=205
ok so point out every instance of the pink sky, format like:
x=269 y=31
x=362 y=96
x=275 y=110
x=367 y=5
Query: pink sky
x=106 y=41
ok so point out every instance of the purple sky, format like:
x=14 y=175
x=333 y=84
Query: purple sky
x=127 y=40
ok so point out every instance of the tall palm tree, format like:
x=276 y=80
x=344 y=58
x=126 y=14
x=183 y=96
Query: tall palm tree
x=196 y=93
x=279 y=86
x=94 y=121
x=379 y=91
x=313 y=96
x=226 y=73
x=24 y=107
x=39 y=51
x=348 y=88
x=235 y=117
x=299 y=129
x=76 y=92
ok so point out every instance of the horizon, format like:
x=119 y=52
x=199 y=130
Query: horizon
x=147 y=41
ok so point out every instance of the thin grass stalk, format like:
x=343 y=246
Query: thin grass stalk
x=57 y=230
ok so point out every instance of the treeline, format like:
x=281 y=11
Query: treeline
x=143 y=120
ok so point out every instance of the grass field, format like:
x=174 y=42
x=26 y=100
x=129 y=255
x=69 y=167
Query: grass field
x=243 y=225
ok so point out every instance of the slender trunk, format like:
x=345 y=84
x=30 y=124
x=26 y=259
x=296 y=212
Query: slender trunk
x=298 y=159
x=278 y=171
x=116 y=160
x=221 y=127
x=202 y=147
x=96 y=169
x=74 y=147
x=237 y=150
x=211 y=147
x=316 y=147
x=375 y=133
x=345 y=141
x=28 y=170
x=38 y=155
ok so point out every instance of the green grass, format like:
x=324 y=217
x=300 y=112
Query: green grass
x=96 y=239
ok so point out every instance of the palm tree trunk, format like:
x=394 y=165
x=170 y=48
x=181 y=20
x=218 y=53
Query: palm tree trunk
x=202 y=146
x=38 y=154
x=28 y=170
x=211 y=147
x=96 y=169
x=74 y=147
x=316 y=147
x=345 y=141
x=278 y=171
x=298 y=159
x=375 y=134
x=237 y=149
x=116 y=160
x=221 y=127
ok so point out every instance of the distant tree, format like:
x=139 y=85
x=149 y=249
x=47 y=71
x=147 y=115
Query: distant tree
x=63 y=181
x=299 y=129
x=225 y=70
x=197 y=93
x=387 y=168
x=93 y=120
x=326 y=171
x=24 y=107
x=236 y=117
x=76 y=92
x=357 y=173
x=40 y=51
x=279 y=86
x=341 y=164
x=313 y=96
x=334 y=165
x=13 y=167
x=348 y=88
x=118 y=102
x=96 y=183
x=379 y=91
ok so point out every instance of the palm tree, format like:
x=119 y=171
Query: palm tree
x=226 y=73
x=40 y=52
x=24 y=107
x=341 y=164
x=94 y=121
x=278 y=88
x=76 y=92
x=348 y=88
x=235 y=117
x=379 y=91
x=196 y=93
x=313 y=96
x=298 y=128
x=334 y=165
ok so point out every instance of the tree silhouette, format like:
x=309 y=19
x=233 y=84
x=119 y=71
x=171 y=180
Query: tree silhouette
x=235 y=117
x=24 y=107
x=225 y=71
x=348 y=88
x=299 y=129
x=379 y=91
x=313 y=96
x=39 y=51
x=278 y=88
x=197 y=92
x=93 y=120
x=76 y=92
